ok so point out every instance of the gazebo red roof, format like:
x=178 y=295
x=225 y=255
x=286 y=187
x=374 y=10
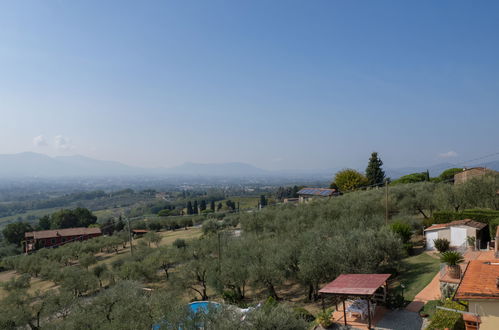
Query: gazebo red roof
x=355 y=284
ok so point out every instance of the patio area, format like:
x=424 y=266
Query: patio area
x=355 y=320
x=359 y=297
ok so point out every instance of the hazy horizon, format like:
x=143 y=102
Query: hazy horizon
x=278 y=85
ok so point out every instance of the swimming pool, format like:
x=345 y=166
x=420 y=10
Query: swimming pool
x=203 y=306
x=195 y=308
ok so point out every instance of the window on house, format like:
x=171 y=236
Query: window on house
x=52 y=241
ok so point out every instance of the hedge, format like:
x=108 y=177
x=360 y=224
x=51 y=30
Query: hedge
x=490 y=217
x=480 y=215
x=443 y=319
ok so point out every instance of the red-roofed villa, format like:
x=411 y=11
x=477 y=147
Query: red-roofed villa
x=56 y=237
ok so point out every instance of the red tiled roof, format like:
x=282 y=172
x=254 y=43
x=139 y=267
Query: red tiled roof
x=465 y=222
x=62 y=232
x=471 y=318
x=480 y=281
x=140 y=231
x=355 y=284
x=437 y=226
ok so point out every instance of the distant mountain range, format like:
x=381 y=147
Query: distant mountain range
x=29 y=164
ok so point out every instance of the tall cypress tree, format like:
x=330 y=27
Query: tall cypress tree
x=195 y=207
x=189 y=208
x=212 y=206
x=374 y=172
x=202 y=205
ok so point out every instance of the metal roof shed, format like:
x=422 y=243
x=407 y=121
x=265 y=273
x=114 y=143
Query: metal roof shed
x=357 y=285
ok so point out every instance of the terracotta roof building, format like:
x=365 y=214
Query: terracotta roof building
x=480 y=287
x=309 y=193
x=457 y=232
x=57 y=237
x=465 y=222
x=496 y=244
x=469 y=173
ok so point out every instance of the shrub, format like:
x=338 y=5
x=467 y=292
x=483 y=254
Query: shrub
x=403 y=230
x=231 y=297
x=442 y=244
x=451 y=258
x=186 y=222
x=444 y=216
x=179 y=243
x=164 y=213
x=302 y=313
x=409 y=248
x=395 y=300
x=324 y=318
x=430 y=307
x=471 y=240
x=210 y=226
x=156 y=226
x=427 y=222
x=449 y=174
x=493 y=227
x=480 y=215
x=446 y=319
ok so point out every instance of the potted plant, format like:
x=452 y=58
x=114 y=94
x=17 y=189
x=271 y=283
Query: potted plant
x=471 y=240
x=442 y=244
x=325 y=318
x=452 y=259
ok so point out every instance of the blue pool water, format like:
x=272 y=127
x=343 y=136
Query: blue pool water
x=194 y=307
x=202 y=306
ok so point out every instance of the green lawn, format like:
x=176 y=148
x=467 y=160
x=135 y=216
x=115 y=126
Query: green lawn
x=416 y=273
x=245 y=202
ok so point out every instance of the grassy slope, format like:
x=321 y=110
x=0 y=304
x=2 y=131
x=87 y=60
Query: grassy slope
x=416 y=273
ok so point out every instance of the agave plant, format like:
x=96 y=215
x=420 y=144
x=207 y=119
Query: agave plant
x=451 y=258
x=471 y=241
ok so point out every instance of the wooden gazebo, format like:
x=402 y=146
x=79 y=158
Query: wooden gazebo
x=357 y=285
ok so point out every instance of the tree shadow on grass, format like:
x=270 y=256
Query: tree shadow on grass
x=413 y=277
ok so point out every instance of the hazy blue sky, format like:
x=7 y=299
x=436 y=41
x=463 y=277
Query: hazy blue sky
x=278 y=84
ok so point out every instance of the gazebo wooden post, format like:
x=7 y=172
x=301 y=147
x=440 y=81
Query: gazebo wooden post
x=369 y=311
x=323 y=306
x=344 y=312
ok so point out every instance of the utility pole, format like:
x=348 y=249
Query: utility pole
x=130 y=236
x=386 y=202
x=219 y=254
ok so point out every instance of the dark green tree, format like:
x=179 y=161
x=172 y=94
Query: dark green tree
x=263 y=201
x=189 y=208
x=14 y=232
x=448 y=175
x=374 y=173
x=119 y=225
x=212 y=205
x=44 y=222
x=195 y=207
x=202 y=205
